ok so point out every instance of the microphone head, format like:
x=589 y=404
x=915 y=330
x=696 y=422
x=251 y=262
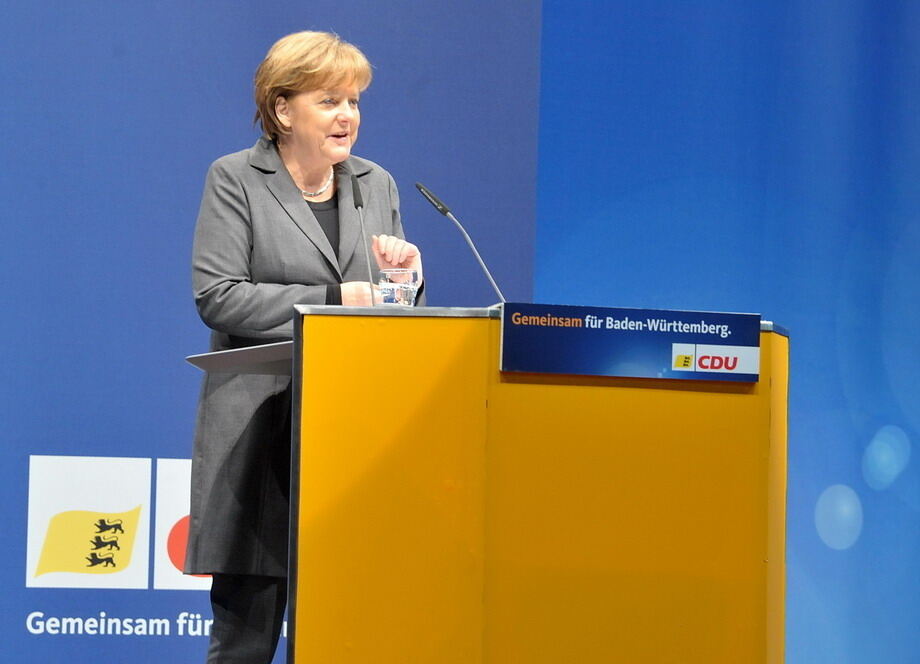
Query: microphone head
x=356 y=192
x=434 y=200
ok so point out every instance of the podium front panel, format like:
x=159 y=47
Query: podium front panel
x=447 y=512
x=636 y=520
x=389 y=559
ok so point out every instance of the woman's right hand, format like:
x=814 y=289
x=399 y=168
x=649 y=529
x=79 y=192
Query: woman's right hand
x=356 y=294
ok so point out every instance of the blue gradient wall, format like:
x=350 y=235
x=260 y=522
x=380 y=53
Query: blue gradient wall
x=751 y=157
x=765 y=157
x=111 y=114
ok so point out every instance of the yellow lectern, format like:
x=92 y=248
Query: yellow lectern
x=447 y=513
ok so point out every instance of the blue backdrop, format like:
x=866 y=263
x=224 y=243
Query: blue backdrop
x=723 y=155
x=765 y=157
x=111 y=114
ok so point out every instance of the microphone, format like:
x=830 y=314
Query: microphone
x=359 y=206
x=434 y=200
x=443 y=209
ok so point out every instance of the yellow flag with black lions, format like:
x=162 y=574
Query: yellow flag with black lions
x=89 y=542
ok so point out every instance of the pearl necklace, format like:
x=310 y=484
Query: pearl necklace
x=319 y=192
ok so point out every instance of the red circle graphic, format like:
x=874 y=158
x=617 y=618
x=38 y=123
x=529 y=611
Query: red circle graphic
x=177 y=542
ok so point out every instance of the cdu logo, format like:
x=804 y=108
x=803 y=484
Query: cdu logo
x=709 y=358
x=88 y=522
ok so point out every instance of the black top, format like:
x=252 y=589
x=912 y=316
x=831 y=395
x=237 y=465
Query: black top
x=327 y=214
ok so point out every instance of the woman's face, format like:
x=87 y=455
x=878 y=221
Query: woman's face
x=323 y=123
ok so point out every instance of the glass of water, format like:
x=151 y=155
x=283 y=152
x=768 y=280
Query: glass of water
x=398 y=286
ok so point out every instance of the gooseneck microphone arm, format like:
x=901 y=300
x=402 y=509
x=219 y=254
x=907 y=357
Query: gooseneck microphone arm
x=443 y=209
x=359 y=206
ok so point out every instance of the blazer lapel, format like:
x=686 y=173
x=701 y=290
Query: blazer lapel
x=349 y=223
x=265 y=157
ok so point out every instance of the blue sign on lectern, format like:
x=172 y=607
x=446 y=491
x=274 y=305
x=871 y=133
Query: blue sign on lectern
x=630 y=343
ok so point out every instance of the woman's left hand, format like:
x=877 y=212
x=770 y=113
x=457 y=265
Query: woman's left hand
x=390 y=251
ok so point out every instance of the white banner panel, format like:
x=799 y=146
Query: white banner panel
x=171 y=527
x=88 y=523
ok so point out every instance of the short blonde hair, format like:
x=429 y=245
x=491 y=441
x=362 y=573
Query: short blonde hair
x=302 y=62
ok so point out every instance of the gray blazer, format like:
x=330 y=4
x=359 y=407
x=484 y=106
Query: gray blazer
x=259 y=251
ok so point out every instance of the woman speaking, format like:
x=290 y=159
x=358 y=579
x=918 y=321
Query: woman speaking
x=277 y=227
